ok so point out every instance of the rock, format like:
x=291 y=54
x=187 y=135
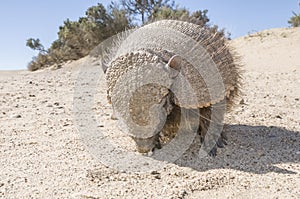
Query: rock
x=16 y=116
x=242 y=101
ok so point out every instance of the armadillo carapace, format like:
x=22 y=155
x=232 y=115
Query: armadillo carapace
x=166 y=68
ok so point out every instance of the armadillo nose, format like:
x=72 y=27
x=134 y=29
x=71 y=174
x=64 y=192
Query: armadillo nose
x=145 y=145
x=144 y=150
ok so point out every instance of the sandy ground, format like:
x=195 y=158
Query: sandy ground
x=42 y=154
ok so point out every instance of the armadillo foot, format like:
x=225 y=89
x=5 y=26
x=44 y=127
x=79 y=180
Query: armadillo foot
x=222 y=141
x=213 y=152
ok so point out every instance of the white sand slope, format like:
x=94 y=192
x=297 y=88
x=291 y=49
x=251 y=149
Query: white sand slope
x=275 y=50
x=43 y=156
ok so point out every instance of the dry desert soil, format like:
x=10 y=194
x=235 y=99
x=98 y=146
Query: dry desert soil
x=44 y=155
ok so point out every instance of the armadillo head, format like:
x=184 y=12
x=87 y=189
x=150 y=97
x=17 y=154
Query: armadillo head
x=140 y=95
x=147 y=145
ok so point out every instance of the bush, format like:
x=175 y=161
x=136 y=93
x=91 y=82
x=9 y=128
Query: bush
x=39 y=62
x=295 y=20
x=77 y=38
x=199 y=17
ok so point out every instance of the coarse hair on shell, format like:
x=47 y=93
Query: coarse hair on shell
x=140 y=48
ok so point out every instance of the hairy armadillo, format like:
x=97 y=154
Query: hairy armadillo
x=166 y=68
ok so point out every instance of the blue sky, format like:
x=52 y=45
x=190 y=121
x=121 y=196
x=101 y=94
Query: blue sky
x=21 y=20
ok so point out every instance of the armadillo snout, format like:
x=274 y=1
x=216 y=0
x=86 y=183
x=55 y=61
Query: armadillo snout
x=146 y=145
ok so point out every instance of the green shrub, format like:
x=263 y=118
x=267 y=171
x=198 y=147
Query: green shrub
x=39 y=62
x=295 y=20
x=77 y=38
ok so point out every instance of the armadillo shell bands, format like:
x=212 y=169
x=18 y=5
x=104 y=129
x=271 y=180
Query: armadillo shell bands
x=208 y=72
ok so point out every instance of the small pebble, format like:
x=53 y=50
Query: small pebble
x=16 y=116
x=242 y=101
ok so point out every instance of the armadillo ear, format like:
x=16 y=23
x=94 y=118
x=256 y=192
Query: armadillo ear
x=175 y=63
x=174 y=66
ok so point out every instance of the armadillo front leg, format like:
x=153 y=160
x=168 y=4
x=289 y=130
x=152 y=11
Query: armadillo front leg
x=204 y=123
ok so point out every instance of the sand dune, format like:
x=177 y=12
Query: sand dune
x=43 y=156
x=274 y=50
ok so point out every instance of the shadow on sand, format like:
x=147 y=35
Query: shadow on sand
x=255 y=149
